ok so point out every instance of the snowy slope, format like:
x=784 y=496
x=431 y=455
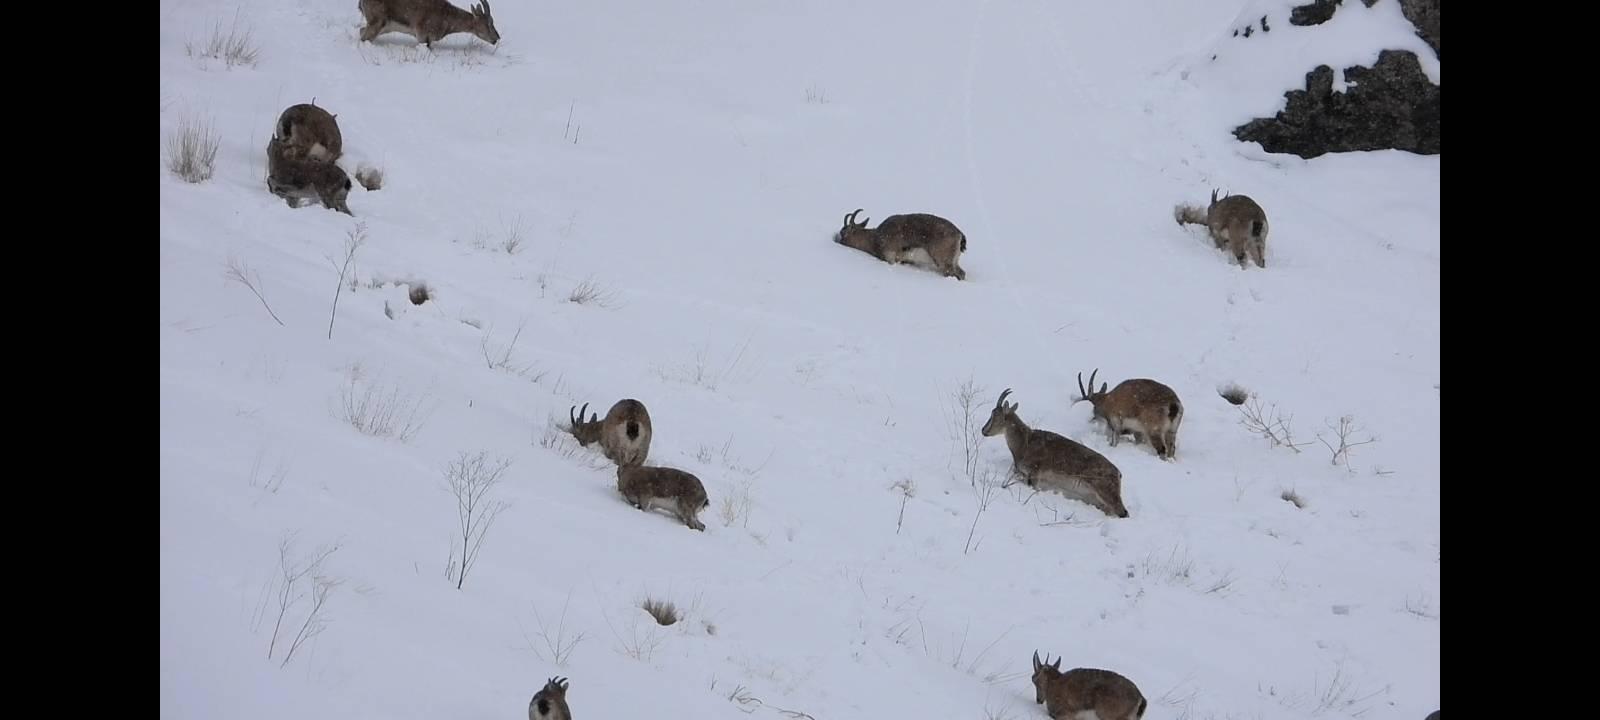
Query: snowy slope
x=692 y=160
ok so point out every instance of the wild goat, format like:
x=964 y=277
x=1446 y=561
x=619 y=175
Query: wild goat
x=551 y=702
x=1139 y=406
x=426 y=20
x=308 y=132
x=1083 y=693
x=296 y=178
x=1237 y=225
x=914 y=239
x=669 y=489
x=1049 y=461
x=624 y=434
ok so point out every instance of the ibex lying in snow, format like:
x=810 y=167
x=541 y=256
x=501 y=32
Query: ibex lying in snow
x=308 y=132
x=426 y=20
x=1236 y=223
x=624 y=434
x=1049 y=461
x=914 y=239
x=1140 y=406
x=296 y=178
x=673 y=490
x=1082 y=693
x=551 y=702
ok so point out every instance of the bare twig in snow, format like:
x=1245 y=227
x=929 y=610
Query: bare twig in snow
x=559 y=647
x=1268 y=423
x=1345 y=432
x=242 y=274
x=352 y=243
x=471 y=478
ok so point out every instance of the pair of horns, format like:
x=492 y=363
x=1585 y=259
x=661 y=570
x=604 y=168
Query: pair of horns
x=579 y=418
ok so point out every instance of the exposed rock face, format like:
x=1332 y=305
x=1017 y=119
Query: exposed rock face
x=1318 y=11
x=1389 y=105
x=1424 y=14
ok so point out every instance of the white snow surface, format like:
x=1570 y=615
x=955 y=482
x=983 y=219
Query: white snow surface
x=692 y=161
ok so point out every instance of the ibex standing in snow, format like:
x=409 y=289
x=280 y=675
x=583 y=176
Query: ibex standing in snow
x=309 y=132
x=1140 y=406
x=426 y=20
x=551 y=702
x=1049 y=461
x=1082 y=693
x=295 y=178
x=914 y=239
x=669 y=489
x=1237 y=225
x=624 y=434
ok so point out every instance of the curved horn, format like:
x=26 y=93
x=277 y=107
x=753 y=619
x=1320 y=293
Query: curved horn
x=851 y=218
x=1085 y=393
x=1002 y=401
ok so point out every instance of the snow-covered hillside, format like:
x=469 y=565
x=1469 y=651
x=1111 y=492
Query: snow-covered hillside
x=681 y=168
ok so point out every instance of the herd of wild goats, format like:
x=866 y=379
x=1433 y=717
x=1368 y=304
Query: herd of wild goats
x=301 y=157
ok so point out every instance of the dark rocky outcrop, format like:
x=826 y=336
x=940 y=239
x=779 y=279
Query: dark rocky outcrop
x=1424 y=15
x=1389 y=105
x=1318 y=12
